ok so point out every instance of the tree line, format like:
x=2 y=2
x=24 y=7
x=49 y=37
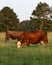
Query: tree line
x=41 y=18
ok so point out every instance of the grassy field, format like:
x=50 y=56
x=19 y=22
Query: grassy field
x=32 y=55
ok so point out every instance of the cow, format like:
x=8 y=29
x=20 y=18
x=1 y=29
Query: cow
x=33 y=37
x=12 y=34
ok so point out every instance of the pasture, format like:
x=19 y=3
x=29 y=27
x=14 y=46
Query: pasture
x=32 y=55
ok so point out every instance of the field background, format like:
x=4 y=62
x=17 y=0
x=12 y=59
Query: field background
x=32 y=55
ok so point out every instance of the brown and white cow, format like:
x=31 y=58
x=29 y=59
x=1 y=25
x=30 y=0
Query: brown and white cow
x=34 y=37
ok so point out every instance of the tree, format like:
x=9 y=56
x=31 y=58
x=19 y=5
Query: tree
x=10 y=18
x=41 y=12
x=51 y=12
x=28 y=25
x=2 y=22
x=25 y=25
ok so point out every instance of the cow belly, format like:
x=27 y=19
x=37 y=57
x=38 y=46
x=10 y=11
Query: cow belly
x=34 y=41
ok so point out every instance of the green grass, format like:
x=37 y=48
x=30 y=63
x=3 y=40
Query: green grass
x=32 y=55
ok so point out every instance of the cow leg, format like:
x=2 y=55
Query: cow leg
x=45 y=39
x=27 y=42
x=41 y=42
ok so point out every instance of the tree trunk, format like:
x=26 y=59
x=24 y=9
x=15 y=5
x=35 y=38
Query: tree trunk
x=41 y=24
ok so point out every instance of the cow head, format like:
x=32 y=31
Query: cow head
x=18 y=44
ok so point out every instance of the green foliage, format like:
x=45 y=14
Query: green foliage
x=11 y=20
x=25 y=25
x=2 y=22
x=40 y=12
x=35 y=24
x=28 y=25
x=49 y=25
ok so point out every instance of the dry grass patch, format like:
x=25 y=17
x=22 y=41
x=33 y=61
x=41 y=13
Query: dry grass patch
x=2 y=34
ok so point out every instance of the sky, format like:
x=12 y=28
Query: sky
x=23 y=8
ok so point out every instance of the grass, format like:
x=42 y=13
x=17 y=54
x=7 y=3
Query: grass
x=32 y=55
